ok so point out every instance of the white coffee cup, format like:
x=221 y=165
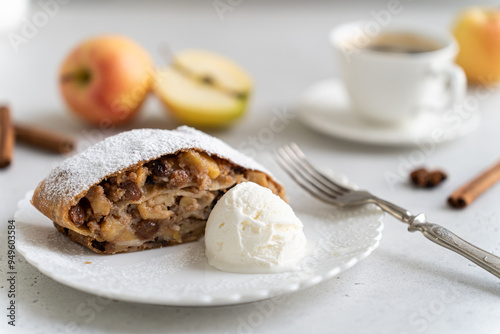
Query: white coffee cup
x=393 y=88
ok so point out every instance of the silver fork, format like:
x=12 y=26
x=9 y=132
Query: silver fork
x=295 y=164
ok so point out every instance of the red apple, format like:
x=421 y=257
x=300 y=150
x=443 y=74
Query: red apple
x=105 y=79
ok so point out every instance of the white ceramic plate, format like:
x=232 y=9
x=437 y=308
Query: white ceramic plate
x=180 y=275
x=325 y=107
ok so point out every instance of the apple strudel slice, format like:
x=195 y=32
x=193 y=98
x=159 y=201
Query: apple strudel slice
x=144 y=189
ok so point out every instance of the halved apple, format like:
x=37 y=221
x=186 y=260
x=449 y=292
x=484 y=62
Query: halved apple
x=204 y=89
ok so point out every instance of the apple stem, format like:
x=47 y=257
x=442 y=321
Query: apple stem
x=81 y=76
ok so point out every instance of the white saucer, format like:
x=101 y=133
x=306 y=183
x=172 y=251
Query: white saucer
x=325 y=107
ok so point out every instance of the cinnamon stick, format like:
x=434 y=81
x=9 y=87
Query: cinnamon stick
x=467 y=193
x=6 y=137
x=44 y=139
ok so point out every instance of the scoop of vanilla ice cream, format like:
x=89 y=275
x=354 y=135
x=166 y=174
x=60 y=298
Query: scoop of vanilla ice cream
x=251 y=230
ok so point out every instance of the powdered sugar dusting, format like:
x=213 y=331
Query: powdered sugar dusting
x=79 y=172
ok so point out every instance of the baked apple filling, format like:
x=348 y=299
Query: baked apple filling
x=162 y=202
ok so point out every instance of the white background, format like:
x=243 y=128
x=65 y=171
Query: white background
x=408 y=285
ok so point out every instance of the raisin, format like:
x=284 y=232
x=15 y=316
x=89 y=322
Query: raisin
x=132 y=191
x=85 y=204
x=238 y=170
x=150 y=180
x=158 y=168
x=146 y=229
x=77 y=215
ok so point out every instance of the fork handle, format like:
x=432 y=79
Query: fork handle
x=448 y=239
x=441 y=236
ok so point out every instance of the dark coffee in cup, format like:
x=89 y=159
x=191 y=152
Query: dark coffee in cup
x=401 y=42
x=393 y=76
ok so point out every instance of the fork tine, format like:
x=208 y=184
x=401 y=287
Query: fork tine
x=303 y=183
x=318 y=175
x=306 y=173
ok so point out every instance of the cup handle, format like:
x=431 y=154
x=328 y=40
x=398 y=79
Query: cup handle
x=456 y=83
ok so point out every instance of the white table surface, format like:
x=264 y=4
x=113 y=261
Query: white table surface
x=408 y=285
